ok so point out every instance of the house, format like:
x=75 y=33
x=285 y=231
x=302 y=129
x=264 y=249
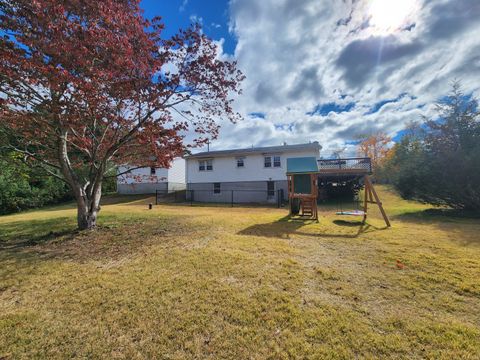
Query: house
x=243 y=175
x=149 y=180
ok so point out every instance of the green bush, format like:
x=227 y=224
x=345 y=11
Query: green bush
x=439 y=162
x=23 y=187
x=109 y=183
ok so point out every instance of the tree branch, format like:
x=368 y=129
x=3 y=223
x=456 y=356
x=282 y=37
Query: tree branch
x=28 y=153
x=51 y=173
x=124 y=172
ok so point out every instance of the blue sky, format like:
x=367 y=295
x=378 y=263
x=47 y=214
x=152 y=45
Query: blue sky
x=213 y=15
x=333 y=70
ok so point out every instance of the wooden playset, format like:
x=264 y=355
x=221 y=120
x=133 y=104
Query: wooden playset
x=303 y=176
x=303 y=187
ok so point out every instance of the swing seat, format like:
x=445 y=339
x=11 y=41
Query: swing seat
x=351 y=213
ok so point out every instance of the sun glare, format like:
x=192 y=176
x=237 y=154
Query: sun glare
x=390 y=15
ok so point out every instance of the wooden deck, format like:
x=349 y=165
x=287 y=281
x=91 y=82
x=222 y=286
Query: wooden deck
x=346 y=166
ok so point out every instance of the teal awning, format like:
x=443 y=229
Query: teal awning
x=302 y=165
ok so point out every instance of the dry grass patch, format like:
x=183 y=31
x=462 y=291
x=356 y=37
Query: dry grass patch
x=183 y=282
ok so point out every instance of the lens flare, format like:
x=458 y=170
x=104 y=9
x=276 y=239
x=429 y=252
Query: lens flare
x=390 y=15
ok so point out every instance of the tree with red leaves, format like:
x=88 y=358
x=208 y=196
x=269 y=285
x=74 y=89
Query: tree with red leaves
x=88 y=85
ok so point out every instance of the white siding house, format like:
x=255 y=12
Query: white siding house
x=253 y=174
x=148 y=180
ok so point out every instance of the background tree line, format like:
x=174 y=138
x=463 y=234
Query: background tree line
x=24 y=186
x=437 y=160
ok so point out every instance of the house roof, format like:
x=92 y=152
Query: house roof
x=255 y=150
x=303 y=165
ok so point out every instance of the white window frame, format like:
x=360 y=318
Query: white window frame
x=204 y=165
x=275 y=162
x=265 y=161
x=209 y=164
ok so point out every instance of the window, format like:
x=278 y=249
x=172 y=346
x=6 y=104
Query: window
x=153 y=171
x=240 y=162
x=268 y=161
x=205 y=165
x=216 y=188
x=276 y=161
x=270 y=188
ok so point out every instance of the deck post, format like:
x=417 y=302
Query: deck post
x=290 y=194
x=365 y=201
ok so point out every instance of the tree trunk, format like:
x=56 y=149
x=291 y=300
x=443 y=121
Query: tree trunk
x=87 y=210
x=86 y=220
x=87 y=195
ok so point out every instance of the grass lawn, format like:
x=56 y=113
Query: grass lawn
x=180 y=282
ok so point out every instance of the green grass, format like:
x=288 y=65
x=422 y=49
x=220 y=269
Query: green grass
x=181 y=282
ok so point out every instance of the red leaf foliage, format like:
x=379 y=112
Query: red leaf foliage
x=87 y=83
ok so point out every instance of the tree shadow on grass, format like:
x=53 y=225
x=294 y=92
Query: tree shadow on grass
x=22 y=243
x=439 y=215
x=347 y=223
x=114 y=199
x=461 y=226
x=30 y=241
x=285 y=228
x=18 y=234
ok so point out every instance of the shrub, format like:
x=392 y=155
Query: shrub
x=22 y=187
x=439 y=163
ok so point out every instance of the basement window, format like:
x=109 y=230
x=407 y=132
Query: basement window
x=240 y=162
x=270 y=189
x=216 y=188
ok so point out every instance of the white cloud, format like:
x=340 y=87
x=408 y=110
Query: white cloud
x=194 y=18
x=183 y=5
x=297 y=54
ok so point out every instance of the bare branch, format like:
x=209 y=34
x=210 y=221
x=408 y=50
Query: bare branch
x=34 y=156
x=123 y=173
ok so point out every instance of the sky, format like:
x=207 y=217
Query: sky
x=330 y=71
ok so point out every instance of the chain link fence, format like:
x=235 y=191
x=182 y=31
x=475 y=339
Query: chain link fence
x=275 y=198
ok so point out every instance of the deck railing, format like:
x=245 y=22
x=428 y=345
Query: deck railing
x=363 y=165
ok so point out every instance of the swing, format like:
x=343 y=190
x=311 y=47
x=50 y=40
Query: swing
x=369 y=195
x=355 y=212
x=351 y=213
